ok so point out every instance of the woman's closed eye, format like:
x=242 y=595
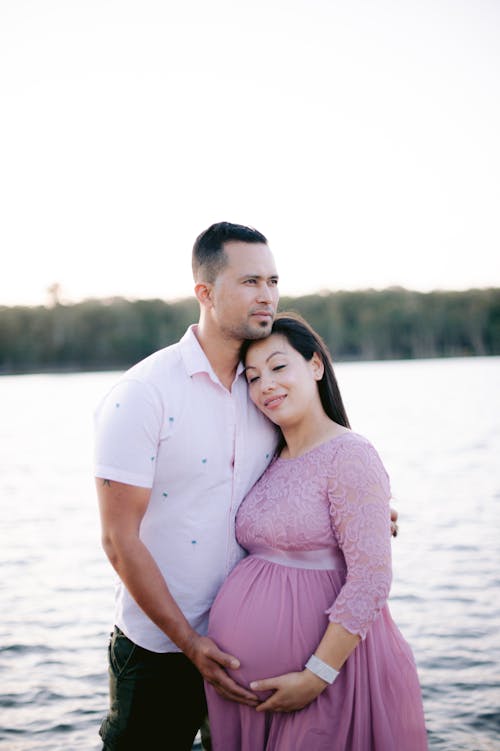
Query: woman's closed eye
x=254 y=378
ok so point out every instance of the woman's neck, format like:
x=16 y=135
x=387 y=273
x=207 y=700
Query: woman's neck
x=301 y=438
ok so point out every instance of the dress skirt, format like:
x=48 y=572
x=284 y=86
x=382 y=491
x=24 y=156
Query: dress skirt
x=272 y=617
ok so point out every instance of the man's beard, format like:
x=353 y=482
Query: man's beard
x=246 y=331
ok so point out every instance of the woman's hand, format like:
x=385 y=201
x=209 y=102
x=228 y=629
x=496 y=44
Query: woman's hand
x=292 y=691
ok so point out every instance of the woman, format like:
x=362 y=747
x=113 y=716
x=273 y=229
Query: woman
x=306 y=612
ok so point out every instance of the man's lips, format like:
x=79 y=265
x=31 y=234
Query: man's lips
x=274 y=401
x=262 y=314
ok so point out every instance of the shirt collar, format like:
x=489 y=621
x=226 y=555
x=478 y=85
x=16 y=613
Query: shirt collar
x=195 y=358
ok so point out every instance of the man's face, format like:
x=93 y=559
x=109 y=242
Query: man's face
x=245 y=293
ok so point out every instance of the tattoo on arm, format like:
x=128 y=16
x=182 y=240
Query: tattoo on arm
x=107 y=482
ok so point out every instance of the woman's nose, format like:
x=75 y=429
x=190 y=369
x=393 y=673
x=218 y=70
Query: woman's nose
x=267 y=383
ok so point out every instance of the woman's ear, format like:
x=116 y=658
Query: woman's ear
x=317 y=366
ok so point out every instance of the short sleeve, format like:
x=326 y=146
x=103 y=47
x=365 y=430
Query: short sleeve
x=359 y=493
x=127 y=433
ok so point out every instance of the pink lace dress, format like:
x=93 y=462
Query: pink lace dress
x=317 y=531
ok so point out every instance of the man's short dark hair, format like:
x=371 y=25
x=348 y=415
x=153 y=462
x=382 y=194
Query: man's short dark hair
x=209 y=257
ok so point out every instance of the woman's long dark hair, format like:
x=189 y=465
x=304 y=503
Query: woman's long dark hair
x=306 y=341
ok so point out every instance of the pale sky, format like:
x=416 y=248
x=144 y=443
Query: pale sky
x=361 y=137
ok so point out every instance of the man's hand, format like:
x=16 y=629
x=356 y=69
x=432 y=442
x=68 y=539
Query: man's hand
x=394 y=525
x=292 y=691
x=211 y=662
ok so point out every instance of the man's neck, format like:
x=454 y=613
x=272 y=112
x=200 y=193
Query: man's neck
x=223 y=354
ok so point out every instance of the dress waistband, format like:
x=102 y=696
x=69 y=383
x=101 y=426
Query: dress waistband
x=324 y=558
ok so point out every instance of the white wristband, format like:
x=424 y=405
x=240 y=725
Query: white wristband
x=321 y=669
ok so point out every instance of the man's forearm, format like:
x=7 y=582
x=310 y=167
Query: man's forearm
x=140 y=574
x=122 y=508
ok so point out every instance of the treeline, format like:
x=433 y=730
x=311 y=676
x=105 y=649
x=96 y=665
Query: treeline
x=365 y=325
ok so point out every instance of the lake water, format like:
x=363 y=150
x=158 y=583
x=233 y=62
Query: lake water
x=436 y=424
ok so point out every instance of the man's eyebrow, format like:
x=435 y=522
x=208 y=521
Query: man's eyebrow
x=259 y=276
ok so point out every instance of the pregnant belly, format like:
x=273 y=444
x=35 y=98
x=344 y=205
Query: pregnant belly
x=271 y=617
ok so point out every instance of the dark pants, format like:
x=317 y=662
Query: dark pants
x=157 y=701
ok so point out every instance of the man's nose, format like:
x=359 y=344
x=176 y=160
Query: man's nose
x=265 y=294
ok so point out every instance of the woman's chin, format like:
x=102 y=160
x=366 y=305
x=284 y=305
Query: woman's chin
x=275 y=417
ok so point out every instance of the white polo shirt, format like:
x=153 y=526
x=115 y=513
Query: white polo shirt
x=170 y=425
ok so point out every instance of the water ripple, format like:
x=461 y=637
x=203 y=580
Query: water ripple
x=57 y=587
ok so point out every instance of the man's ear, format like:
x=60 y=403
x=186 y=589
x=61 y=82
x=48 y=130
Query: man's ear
x=317 y=366
x=203 y=292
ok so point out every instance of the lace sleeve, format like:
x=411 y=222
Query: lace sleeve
x=358 y=493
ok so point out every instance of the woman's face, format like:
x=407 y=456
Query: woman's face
x=282 y=384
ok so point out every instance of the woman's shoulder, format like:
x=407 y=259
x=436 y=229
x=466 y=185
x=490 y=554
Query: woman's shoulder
x=349 y=440
x=354 y=453
x=352 y=447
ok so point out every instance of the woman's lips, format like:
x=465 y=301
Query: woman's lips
x=274 y=401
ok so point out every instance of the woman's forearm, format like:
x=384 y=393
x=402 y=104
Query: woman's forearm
x=336 y=645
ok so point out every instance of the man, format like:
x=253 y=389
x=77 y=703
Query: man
x=179 y=444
